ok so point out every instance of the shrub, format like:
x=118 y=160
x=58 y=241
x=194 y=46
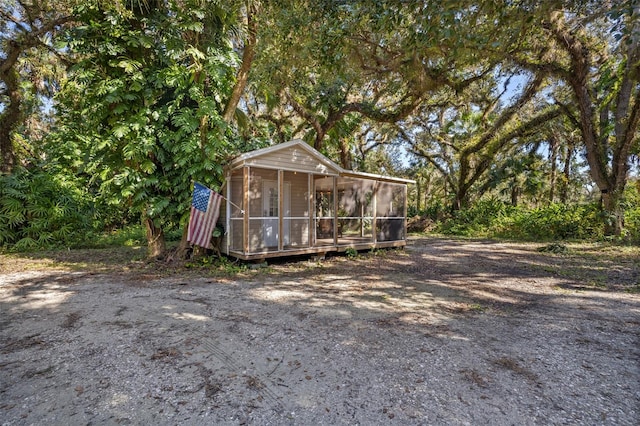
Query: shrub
x=434 y=212
x=127 y=236
x=492 y=217
x=632 y=224
x=478 y=219
x=556 y=222
x=351 y=253
x=39 y=209
x=631 y=203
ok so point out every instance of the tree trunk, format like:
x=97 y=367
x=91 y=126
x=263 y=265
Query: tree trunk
x=155 y=239
x=461 y=200
x=614 y=213
x=553 y=158
x=418 y=195
x=610 y=178
x=29 y=35
x=345 y=155
x=9 y=119
x=426 y=195
x=515 y=193
x=566 y=174
x=183 y=247
x=245 y=67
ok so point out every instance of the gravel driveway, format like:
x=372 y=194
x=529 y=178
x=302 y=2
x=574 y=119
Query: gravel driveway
x=444 y=332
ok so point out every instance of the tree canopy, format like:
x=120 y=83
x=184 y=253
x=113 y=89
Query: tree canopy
x=134 y=100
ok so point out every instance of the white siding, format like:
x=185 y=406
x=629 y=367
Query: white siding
x=292 y=158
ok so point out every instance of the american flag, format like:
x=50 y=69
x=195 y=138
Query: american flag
x=205 y=209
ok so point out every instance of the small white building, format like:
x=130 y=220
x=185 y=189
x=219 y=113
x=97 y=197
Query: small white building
x=289 y=199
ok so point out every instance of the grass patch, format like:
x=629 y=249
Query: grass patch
x=95 y=260
x=476 y=307
x=634 y=289
x=556 y=248
x=222 y=264
x=131 y=236
x=351 y=253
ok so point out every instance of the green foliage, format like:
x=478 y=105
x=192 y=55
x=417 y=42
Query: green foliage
x=221 y=264
x=41 y=209
x=477 y=219
x=143 y=106
x=556 y=248
x=351 y=253
x=493 y=218
x=631 y=204
x=138 y=117
x=128 y=236
x=553 y=222
x=434 y=211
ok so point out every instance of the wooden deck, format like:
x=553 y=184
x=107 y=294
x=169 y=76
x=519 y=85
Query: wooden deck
x=328 y=247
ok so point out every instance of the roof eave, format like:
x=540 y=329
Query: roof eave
x=242 y=159
x=372 y=176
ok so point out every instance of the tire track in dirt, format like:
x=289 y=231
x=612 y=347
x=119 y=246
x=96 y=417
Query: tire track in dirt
x=259 y=382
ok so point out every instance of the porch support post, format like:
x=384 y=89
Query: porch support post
x=374 y=222
x=245 y=205
x=405 y=212
x=312 y=211
x=360 y=192
x=335 y=211
x=227 y=225
x=280 y=210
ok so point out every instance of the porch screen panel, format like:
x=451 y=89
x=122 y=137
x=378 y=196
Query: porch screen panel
x=355 y=210
x=296 y=210
x=324 y=210
x=390 y=212
x=236 y=217
x=263 y=210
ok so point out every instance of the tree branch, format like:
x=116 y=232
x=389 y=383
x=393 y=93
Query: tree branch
x=310 y=118
x=529 y=93
x=523 y=130
x=421 y=152
x=31 y=39
x=247 y=59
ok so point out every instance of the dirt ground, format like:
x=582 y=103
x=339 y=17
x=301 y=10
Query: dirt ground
x=443 y=332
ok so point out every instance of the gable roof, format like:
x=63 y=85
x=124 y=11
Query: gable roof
x=293 y=155
x=297 y=155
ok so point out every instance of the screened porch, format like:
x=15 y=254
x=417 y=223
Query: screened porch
x=308 y=206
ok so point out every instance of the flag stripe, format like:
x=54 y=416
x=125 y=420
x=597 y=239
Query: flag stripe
x=202 y=219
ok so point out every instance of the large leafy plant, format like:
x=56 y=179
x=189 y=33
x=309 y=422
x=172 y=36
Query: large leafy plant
x=42 y=209
x=144 y=104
